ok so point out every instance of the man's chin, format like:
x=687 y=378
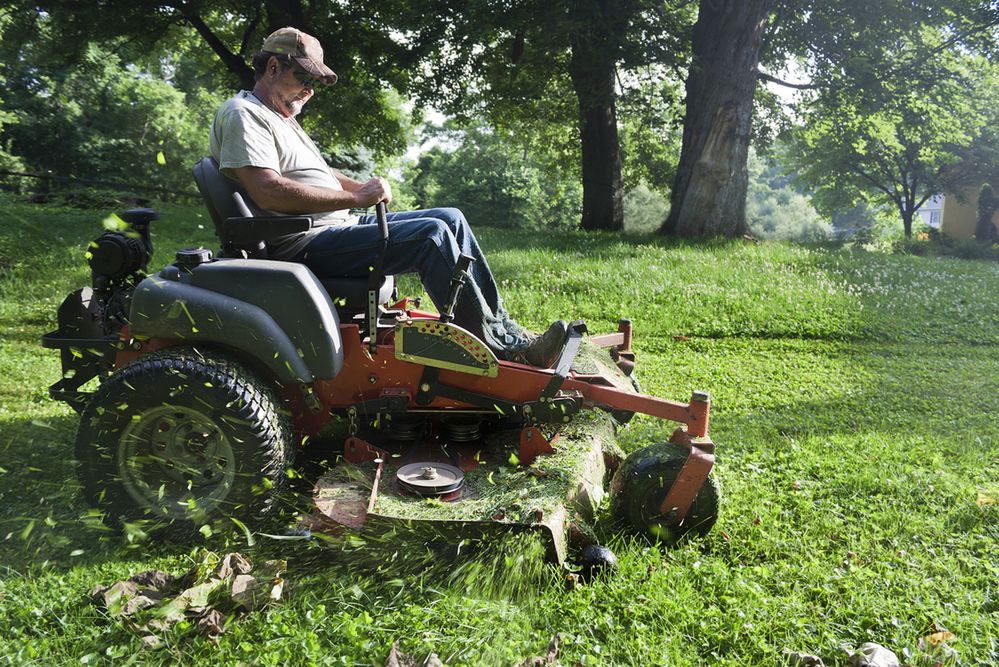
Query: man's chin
x=294 y=107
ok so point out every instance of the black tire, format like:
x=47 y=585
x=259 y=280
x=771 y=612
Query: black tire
x=596 y=559
x=181 y=437
x=640 y=485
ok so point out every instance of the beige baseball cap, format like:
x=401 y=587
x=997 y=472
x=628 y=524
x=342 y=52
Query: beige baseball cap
x=304 y=49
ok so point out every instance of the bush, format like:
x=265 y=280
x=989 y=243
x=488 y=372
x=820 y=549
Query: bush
x=931 y=243
x=495 y=180
x=971 y=249
x=644 y=209
x=912 y=246
x=777 y=212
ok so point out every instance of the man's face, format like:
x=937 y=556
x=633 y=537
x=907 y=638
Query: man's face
x=290 y=93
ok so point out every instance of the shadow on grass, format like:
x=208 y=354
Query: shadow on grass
x=44 y=521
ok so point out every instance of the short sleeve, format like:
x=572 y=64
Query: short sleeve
x=245 y=140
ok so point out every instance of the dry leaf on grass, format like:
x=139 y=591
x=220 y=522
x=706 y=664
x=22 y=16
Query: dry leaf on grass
x=215 y=588
x=397 y=658
x=549 y=659
x=935 y=639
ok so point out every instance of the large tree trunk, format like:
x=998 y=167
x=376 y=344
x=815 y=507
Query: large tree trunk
x=709 y=195
x=592 y=70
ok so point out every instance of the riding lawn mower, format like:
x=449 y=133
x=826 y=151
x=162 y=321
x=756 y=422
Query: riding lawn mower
x=213 y=371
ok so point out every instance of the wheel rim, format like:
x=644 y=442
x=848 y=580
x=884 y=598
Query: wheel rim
x=176 y=462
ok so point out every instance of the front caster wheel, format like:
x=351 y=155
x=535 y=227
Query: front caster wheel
x=596 y=559
x=640 y=485
x=181 y=437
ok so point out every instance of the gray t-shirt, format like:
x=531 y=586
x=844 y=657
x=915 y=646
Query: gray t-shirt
x=246 y=133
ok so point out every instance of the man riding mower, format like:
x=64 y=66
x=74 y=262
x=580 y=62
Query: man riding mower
x=213 y=371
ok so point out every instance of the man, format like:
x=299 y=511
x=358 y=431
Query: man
x=257 y=141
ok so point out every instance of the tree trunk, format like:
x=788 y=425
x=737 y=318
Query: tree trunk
x=988 y=203
x=592 y=70
x=907 y=215
x=709 y=195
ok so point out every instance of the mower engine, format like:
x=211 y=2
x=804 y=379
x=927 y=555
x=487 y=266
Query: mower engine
x=91 y=318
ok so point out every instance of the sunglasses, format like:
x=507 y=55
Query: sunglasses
x=305 y=78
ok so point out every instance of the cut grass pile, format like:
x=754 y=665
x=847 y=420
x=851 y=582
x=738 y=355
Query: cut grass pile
x=854 y=405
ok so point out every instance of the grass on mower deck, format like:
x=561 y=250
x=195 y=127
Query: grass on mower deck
x=854 y=405
x=501 y=484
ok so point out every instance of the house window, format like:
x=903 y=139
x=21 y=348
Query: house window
x=935 y=218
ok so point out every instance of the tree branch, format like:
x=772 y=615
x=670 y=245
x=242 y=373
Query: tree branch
x=250 y=27
x=870 y=179
x=233 y=62
x=787 y=84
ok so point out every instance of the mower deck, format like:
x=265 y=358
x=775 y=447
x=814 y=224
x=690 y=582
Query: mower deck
x=552 y=495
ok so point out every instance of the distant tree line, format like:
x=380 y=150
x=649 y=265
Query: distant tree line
x=558 y=107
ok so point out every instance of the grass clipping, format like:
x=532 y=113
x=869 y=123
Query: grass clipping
x=509 y=566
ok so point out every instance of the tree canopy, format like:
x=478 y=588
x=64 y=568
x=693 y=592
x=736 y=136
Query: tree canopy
x=591 y=95
x=905 y=116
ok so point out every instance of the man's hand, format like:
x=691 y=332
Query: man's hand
x=372 y=192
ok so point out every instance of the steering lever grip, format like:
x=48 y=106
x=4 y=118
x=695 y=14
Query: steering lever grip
x=381 y=212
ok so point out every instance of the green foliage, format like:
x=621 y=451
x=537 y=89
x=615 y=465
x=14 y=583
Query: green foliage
x=542 y=68
x=644 y=209
x=854 y=397
x=100 y=89
x=496 y=179
x=651 y=127
x=776 y=211
x=105 y=120
x=898 y=121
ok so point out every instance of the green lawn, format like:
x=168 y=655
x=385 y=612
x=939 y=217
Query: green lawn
x=855 y=408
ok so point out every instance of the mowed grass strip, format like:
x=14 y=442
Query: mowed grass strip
x=855 y=401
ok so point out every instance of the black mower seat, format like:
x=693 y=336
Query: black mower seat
x=240 y=227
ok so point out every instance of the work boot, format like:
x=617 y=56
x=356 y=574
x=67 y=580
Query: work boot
x=542 y=351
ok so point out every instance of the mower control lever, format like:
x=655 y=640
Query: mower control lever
x=381 y=211
x=375 y=280
x=458 y=278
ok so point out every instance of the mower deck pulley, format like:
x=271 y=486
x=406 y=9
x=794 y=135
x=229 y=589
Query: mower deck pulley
x=430 y=478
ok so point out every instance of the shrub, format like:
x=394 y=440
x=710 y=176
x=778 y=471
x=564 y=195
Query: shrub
x=644 y=209
x=496 y=180
x=777 y=212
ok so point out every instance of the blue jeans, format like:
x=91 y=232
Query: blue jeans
x=427 y=243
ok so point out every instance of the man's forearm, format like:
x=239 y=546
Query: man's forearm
x=274 y=192
x=347 y=183
x=288 y=196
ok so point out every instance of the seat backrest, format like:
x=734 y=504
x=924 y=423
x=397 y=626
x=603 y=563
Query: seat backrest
x=217 y=191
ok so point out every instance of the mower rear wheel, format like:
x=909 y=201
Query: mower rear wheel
x=640 y=485
x=182 y=436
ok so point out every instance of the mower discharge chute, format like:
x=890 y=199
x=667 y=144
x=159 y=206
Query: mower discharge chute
x=212 y=369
